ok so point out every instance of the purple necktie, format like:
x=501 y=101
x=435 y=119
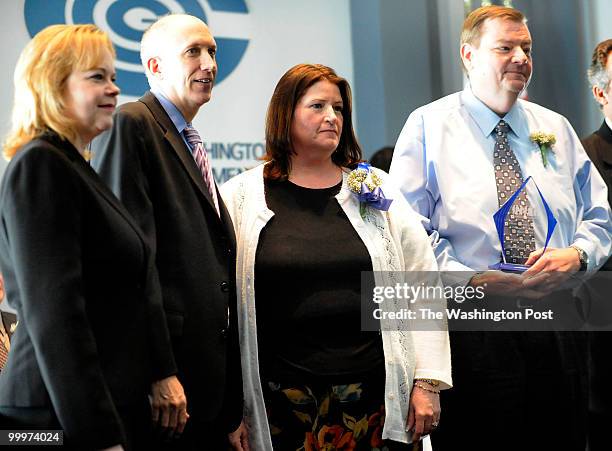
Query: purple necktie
x=201 y=158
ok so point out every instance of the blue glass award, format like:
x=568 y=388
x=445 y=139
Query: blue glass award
x=500 y=218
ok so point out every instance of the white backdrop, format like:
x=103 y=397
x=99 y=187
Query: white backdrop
x=280 y=33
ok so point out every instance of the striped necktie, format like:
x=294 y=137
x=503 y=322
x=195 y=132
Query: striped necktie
x=201 y=158
x=3 y=353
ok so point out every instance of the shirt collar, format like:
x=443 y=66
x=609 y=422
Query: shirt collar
x=487 y=119
x=175 y=115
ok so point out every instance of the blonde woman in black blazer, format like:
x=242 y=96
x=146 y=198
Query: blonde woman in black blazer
x=91 y=337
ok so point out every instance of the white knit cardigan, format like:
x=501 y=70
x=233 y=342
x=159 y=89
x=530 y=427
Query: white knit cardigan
x=396 y=241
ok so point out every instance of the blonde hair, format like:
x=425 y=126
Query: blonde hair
x=40 y=80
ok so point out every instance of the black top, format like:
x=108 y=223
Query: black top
x=307 y=284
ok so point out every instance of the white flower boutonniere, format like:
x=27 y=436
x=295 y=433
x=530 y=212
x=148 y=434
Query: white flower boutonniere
x=14 y=327
x=365 y=184
x=545 y=141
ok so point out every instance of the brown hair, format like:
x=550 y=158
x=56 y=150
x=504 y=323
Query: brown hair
x=40 y=80
x=289 y=90
x=472 y=25
x=598 y=75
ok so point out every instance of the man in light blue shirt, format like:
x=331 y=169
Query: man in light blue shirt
x=512 y=389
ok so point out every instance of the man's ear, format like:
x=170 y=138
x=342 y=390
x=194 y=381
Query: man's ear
x=467 y=53
x=154 y=67
x=600 y=96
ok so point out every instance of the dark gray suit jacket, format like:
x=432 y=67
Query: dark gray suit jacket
x=82 y=279
x=147 y=164
x=598 y=146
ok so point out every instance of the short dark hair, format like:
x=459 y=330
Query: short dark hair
x=382 y=158
x=289 y=90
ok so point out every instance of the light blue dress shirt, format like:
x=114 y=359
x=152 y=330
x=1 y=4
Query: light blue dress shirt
x=173 y=112
x=443 y=164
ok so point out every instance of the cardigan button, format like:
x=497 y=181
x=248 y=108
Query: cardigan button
x=391 y=395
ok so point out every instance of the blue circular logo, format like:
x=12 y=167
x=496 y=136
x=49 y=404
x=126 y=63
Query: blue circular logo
x=126 y=20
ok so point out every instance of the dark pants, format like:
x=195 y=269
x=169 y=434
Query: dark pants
x=135 y=419
x=515 y=390
x=600 y=397
x=198 y=436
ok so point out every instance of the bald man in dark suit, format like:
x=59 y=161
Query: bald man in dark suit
x=154 y=160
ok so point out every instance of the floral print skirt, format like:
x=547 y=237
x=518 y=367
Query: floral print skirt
x=325 y=417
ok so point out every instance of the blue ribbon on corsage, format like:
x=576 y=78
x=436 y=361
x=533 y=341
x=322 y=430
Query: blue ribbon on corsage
x=366 y=185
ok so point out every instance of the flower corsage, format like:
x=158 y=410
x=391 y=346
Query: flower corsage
x=365 y=184
x=545 y=141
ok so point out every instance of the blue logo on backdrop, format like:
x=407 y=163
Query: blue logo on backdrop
x=126 y=20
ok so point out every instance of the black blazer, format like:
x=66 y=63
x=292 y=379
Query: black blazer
x=147 y=164
x=598 y=147
x=82 y=279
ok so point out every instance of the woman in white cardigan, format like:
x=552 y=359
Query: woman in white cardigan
x=306 y=228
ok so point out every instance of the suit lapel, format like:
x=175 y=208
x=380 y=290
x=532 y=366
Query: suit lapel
x=178 y=145
x=94 y=180
x=105 y=192
x=9 y=320
x=605 y=134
